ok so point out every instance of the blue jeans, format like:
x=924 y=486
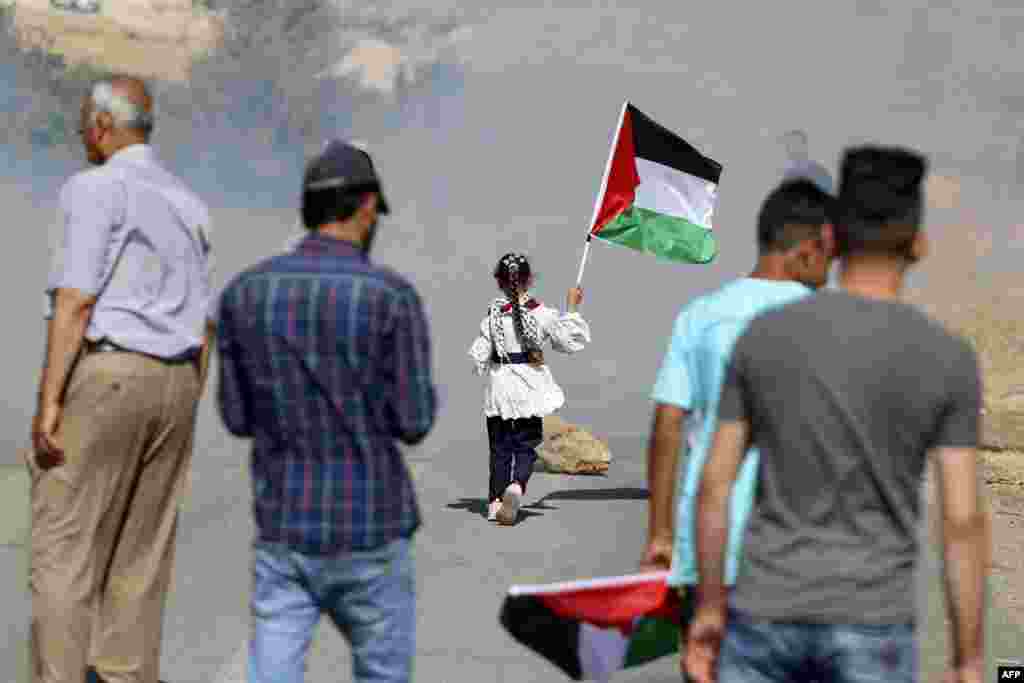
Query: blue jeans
x=778 y=652
x=370 y=597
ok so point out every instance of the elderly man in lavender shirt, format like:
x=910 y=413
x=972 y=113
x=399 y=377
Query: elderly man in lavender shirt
x=128 y=343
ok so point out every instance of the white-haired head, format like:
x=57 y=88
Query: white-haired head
x=795 y=143
x=358 y=144
x=126 y=114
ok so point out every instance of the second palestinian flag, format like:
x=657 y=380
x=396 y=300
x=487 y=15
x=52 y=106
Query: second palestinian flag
x=592 y=628
x=659 y=193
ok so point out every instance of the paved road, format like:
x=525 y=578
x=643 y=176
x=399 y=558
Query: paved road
x=573 y=527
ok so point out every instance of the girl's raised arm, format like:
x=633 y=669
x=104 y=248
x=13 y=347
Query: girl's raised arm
x=569 y=332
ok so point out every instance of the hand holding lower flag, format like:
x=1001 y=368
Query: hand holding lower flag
x=705 y=643
x=592 y=628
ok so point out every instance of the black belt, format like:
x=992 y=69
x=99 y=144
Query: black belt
x=513 y=359
x=190 y=356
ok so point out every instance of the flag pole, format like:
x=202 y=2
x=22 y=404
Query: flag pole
x=600 y=192
x=583 y=261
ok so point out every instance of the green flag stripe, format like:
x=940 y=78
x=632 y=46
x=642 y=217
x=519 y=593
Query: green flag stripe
x=668 y=237
x=651 y=638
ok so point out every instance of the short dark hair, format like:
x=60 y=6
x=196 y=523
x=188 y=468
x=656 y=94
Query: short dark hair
x=320 y=207
x=792 y=213
x=889 y=236
x=880 y=205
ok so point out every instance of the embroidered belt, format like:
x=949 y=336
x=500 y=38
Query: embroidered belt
x=513 y=359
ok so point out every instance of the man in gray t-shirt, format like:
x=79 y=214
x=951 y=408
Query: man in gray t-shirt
x=845 y=393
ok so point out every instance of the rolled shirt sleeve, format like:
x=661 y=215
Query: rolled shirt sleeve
x=674 y=383
x=569 y=333
x=91 y=208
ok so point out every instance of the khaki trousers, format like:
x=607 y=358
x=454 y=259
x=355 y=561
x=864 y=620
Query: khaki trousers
x=103 y=524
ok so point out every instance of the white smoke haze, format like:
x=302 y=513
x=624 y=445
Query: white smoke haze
x=490 y=123
x=283 y=76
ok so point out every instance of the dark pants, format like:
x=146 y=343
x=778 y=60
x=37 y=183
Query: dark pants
x=512 y=444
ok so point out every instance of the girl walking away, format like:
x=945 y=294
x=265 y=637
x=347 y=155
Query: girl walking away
x=520 y=389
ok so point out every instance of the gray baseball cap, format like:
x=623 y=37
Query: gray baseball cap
x=343 y=166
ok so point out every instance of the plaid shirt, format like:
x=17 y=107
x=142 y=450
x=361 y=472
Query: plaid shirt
x=325 y=363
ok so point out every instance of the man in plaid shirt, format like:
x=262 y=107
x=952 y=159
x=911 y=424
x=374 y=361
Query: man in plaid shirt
x=325 y=363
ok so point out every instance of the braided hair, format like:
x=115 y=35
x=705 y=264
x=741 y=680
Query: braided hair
x=513 y=274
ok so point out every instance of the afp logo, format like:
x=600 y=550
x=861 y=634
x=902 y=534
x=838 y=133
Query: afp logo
x=1011 y=673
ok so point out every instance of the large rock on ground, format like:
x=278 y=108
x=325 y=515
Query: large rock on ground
x=568 y=449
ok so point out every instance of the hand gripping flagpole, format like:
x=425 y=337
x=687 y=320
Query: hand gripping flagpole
x=601 y=191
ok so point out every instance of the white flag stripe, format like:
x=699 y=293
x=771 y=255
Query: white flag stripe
x=584 y=584
x=670 y=192
x=602 y=652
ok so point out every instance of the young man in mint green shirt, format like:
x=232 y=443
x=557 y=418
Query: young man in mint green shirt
x=794 y=255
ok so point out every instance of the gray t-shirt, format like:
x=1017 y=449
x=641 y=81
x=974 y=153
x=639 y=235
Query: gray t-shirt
x=845 y=396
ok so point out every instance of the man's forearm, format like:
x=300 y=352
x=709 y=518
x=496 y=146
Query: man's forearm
x=662 y=471
x=65 y=335
x=205 y=353
x=712 y=535
x=966 y=552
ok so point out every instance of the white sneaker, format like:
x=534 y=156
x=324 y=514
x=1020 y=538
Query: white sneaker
x=509 y=512
x=492 y=510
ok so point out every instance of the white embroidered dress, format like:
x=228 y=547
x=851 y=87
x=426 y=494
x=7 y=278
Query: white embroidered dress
x=517 y=390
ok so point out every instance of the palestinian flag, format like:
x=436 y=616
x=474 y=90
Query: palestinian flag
x=658 y=194
x=592 y=628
